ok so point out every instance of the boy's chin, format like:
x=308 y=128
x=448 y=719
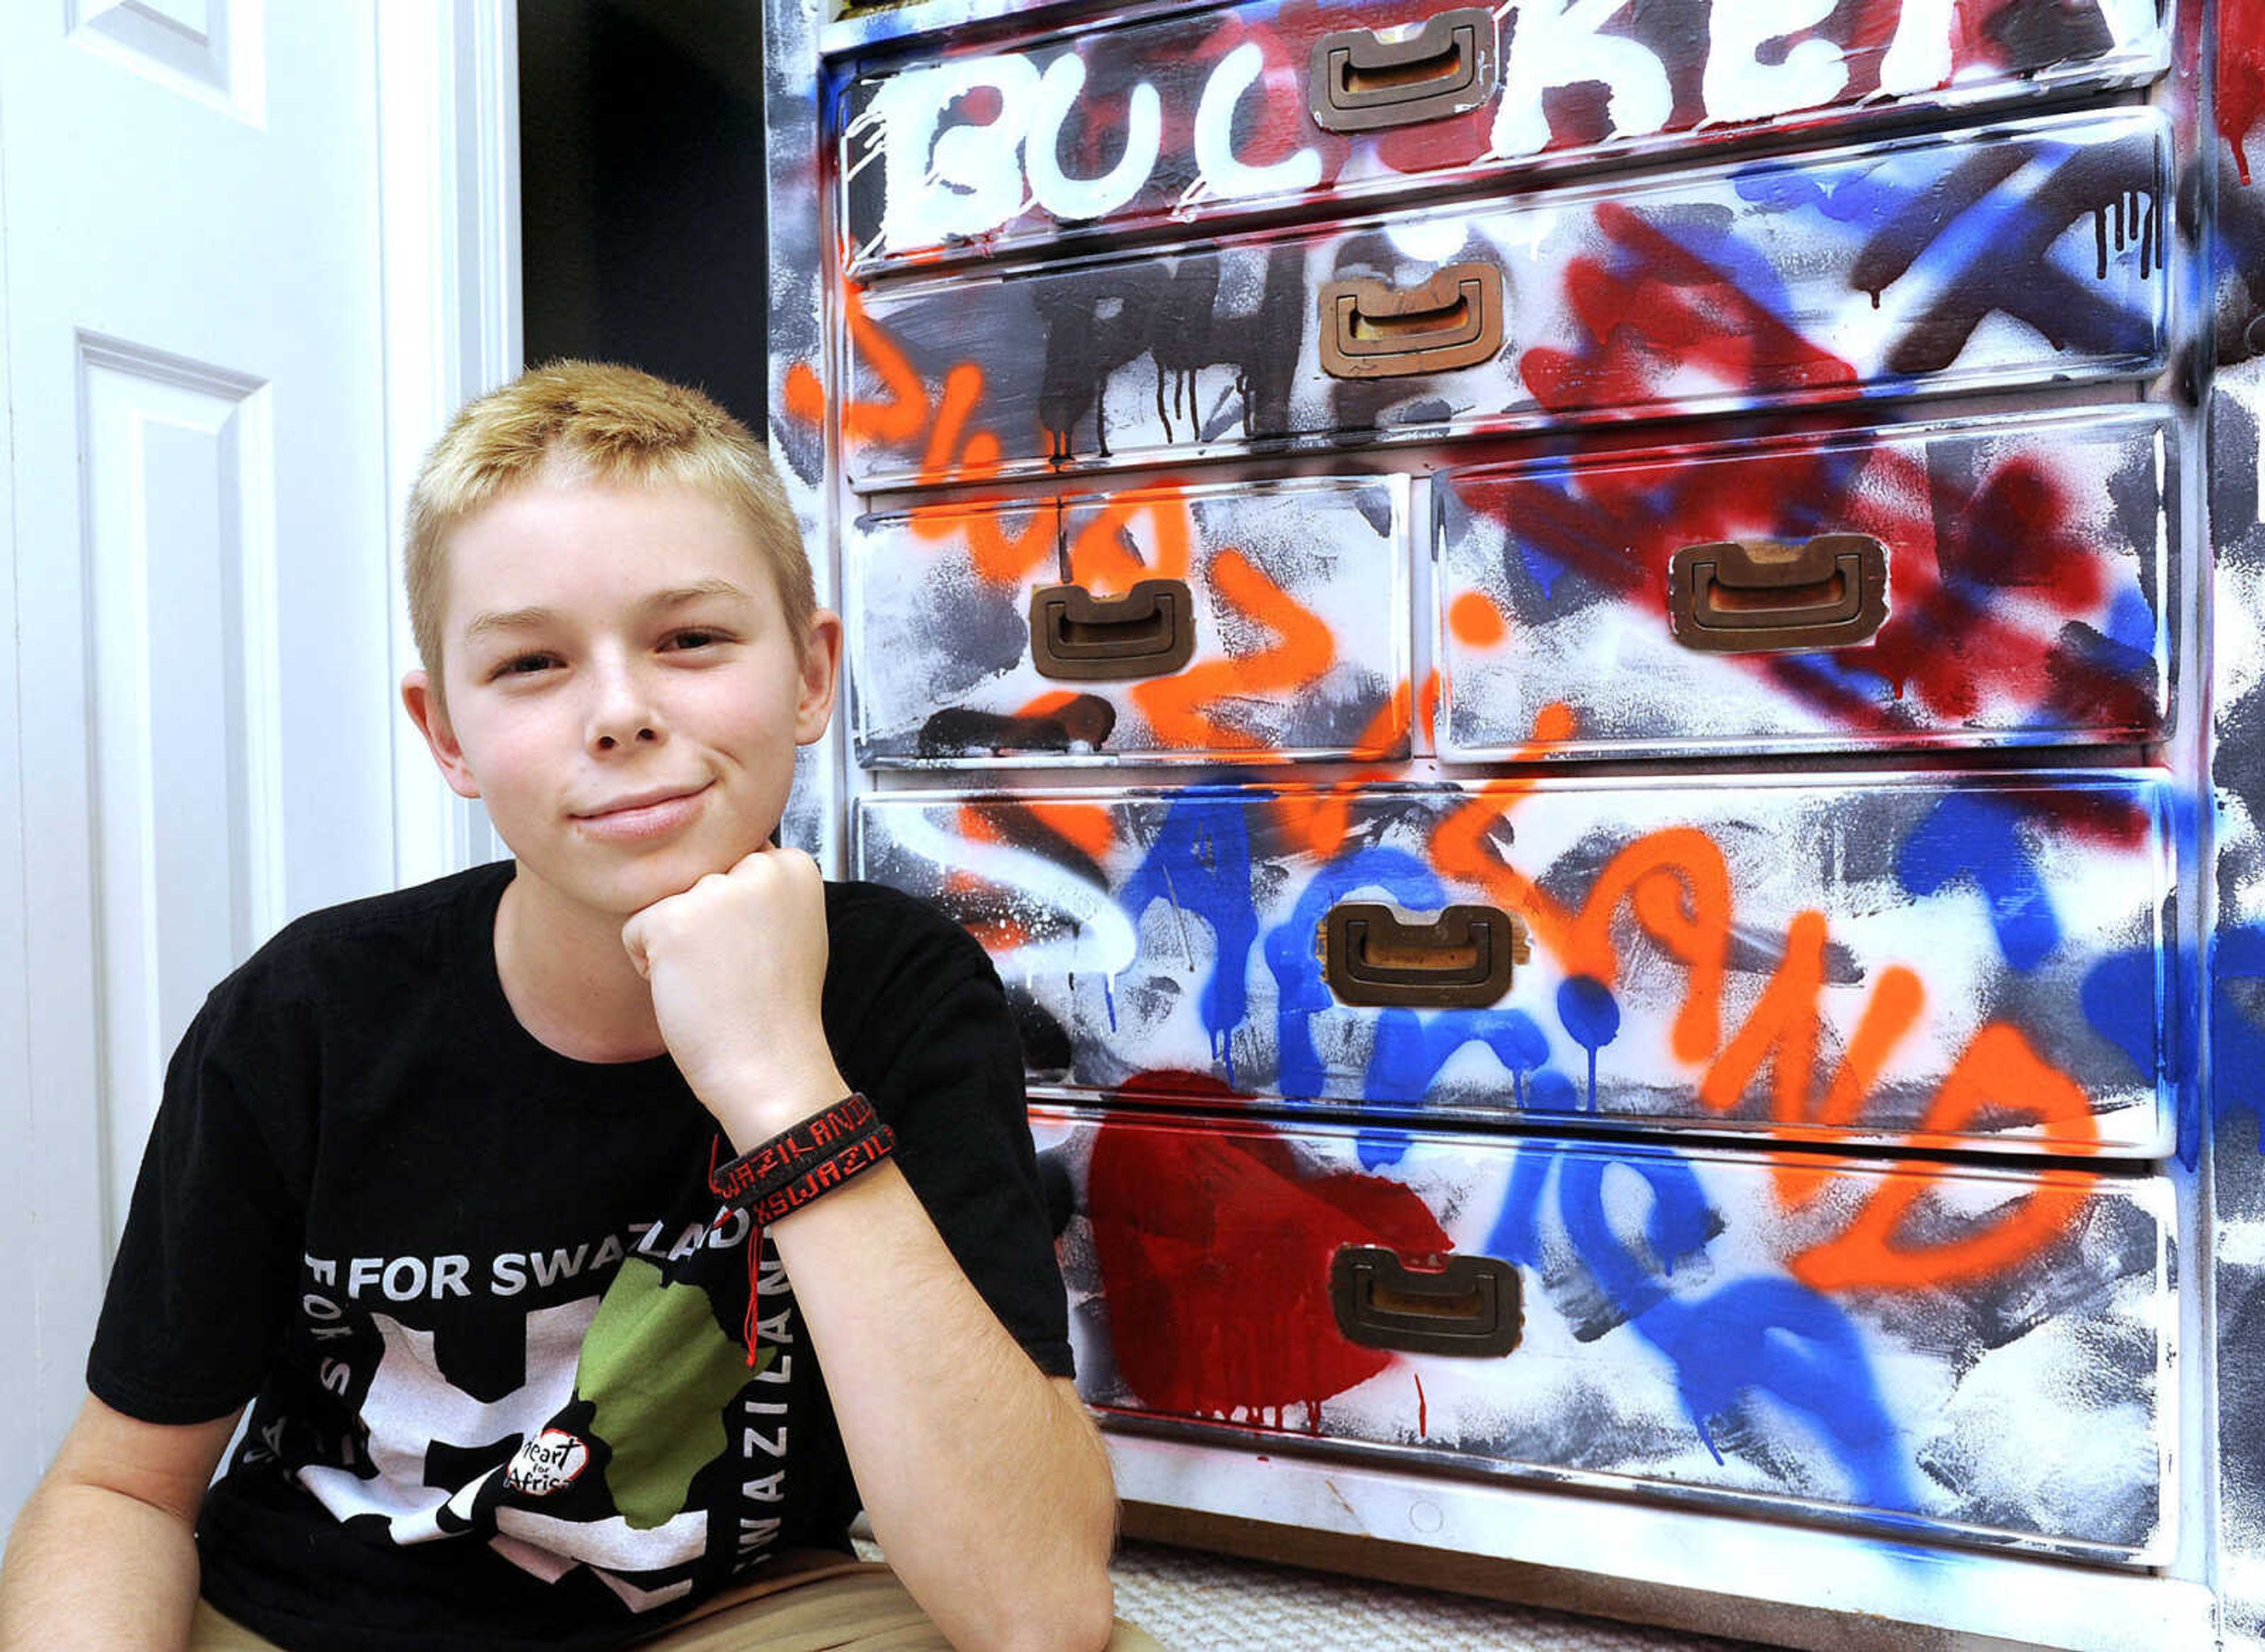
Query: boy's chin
x=645 y=882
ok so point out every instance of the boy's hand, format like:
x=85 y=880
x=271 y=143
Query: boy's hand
x=736 y=963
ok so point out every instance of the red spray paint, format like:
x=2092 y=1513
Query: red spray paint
x=2241 y=76
x=1214 y=1247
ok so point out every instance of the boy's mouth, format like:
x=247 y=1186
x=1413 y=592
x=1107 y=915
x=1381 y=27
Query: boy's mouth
x=642 y=800
x=645 y=814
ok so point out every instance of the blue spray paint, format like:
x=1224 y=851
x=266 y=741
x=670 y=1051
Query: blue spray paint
x=2236 y=1042
x=1378 y=1146
x=1860 y=195
x=1550 y=1091
x=2131 y=625
x=1970 y=235
x=1200 y=863
x=1410 y=1050
x=1545 y=569
x=1967 y=836
x=2149 y=1005
x=2122 y=997
x=1590 y=1016
x=1300 y=992
x=1769 y=1335
x=1742 y=262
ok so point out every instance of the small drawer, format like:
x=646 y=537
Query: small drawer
x=1257 y=623
x=1970 y=962
x=1962 y=1353
x=2029 y=255
x=1241 y=108
x=1991 y=582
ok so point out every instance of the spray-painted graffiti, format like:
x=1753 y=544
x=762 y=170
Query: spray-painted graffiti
x=812 y=818
x=1843 y=972
x=1697 y=956
x=1682 y=1326
x=1296 y=636
x=1174 y=120
x=2240 y=79
x=2236 y=948
x=2028 y=566
x=1923 y=265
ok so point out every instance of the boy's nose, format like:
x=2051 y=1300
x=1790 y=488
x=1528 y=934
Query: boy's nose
x=621 y=712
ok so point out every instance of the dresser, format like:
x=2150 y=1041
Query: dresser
x=1595 y=670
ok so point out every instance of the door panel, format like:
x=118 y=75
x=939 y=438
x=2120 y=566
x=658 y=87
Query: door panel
x=199 y=532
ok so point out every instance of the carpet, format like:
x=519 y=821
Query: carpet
x=1207 y=1603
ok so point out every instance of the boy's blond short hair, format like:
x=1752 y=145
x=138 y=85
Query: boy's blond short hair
x=600 y=423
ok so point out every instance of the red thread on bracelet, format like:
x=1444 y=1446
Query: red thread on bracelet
x=762 y=1184
x=750 y=1328
x=755 y=1266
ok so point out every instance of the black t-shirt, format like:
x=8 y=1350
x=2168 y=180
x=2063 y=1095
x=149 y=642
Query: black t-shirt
x=489 y=1309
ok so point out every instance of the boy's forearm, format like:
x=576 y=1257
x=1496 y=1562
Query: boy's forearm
x=987 y=1488
x=91 y=1567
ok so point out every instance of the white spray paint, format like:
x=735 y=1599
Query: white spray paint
x=1069 y=199
x=1554 y=47
x=1218 y=170
x=1739 y=86
x=972 y=181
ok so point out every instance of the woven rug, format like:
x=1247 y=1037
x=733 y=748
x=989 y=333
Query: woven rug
x=1197 y=1601
x=1207 y=1603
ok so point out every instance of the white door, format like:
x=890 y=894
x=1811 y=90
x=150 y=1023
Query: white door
x=191 y=332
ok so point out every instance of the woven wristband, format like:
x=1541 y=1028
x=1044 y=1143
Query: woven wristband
x=781 y=1176
x=820 y=1154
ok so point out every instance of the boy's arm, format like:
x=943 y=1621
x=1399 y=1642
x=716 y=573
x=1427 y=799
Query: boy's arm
x=104 y=1553
x=986 y=1482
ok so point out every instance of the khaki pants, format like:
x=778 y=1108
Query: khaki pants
x=806 y=1603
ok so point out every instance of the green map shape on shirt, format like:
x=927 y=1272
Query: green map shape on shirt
x=659 y=1371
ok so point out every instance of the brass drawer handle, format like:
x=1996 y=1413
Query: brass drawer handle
x=1148 y=632
x=1372 y=955
x=1357 y=82
x=1454 y=320
x=1736 y=597
x=1471 y=1306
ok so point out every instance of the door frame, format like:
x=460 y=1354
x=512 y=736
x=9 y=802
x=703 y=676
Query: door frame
x=448 y=208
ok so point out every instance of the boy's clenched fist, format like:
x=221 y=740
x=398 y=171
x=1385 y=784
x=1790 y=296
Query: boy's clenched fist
x=736 y=964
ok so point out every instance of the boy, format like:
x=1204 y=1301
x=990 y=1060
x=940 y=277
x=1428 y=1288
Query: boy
x=446 y=1181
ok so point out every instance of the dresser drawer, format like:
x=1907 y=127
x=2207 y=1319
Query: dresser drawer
x=1237 y=108
x=1977 y=965
x=1990 y=582
x=1959 y=1353
x=1256 y=622
x=2024 y=256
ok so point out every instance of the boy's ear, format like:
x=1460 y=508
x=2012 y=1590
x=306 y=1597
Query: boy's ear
x=821 y=674
x=432 y=720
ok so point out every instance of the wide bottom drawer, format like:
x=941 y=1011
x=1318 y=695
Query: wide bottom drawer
x=1975 y=1354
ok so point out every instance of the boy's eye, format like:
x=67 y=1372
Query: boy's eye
x=523 y=665
x=696 y=638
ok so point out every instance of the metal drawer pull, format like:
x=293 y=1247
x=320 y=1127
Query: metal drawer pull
x=1372 y=956
x=1148 y=632
x=1472 y=1306
x=1357 y=82
x=1742 y=597
x=1454 y=320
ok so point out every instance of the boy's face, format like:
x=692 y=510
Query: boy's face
x=608 y=646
